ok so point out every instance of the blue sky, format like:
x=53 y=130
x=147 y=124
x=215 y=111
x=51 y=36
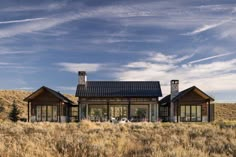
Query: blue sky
x=47 y=42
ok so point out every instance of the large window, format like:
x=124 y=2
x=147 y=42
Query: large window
x=46 y=113
x=118 y=111
x=164 y=113
x=98 y=112
x=139 y=113
x=191 y=113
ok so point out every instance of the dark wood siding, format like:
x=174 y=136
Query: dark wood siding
x=191 y=98
x=45 y=98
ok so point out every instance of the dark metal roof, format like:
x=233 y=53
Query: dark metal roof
x=119 y=89
x=166 y=99
x=56 y=94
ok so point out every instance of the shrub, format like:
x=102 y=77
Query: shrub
x=14 y=114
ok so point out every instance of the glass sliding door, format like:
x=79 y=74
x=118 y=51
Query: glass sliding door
x=182 y=114
x=199 y=113
x=191 y=113
x=54 y=113
x=46 y=113
x=139 y=113
x=49 y=113
x=97 y=112
x=38 y=113
x=118 y=111
x=187 y=114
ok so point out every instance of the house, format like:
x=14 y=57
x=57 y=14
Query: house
x=46 y=104
x=189 y=105
x=105 y=100
x=115 y=100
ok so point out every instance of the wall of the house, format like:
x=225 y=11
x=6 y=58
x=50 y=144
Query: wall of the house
x=47 y=99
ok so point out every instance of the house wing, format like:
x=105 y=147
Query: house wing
x=42 y=89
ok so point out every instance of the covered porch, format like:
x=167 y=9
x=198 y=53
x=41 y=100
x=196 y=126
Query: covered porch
x=105 y=109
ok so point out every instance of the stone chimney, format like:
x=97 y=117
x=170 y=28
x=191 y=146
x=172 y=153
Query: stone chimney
x=174 y=91
x=82 y=77
x=174 y=88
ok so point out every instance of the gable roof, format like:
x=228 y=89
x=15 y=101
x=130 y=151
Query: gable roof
x=44 y=88
x=119 y=89
x=166 y=99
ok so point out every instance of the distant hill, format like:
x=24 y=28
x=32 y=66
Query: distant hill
x=223 y=111
x=8 y=96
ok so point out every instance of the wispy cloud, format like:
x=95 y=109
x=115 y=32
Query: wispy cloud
x=207 y=76
x=20 y=21
x=211 y=57
x=47 y=6
x=75 y=67
x=206 y=28
x=6 y=63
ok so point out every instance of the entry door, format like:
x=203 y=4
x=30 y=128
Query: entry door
x=119 y=111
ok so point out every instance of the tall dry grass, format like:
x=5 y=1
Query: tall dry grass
x=118 y=140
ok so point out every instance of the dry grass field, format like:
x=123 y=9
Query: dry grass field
x=225 y=111
x=88 y=139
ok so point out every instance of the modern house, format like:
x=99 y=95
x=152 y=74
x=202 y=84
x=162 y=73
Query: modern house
x=46 y=104
x=189 y=105
x=133 y=100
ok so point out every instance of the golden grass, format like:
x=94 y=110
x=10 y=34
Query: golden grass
x=118 y=140
x=225 y=111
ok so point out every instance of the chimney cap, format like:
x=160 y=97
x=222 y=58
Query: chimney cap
x=82 y=73
x=174 y=81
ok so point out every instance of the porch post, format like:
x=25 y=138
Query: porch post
x=80 y=111
x=129 y=108
x=177 y=106
x=150 y=113
x=67 y=112
x=209 y=110
x=86 y=111
x=28 y=112
x=59 y=111
x=108 y=110
x=157 y=112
